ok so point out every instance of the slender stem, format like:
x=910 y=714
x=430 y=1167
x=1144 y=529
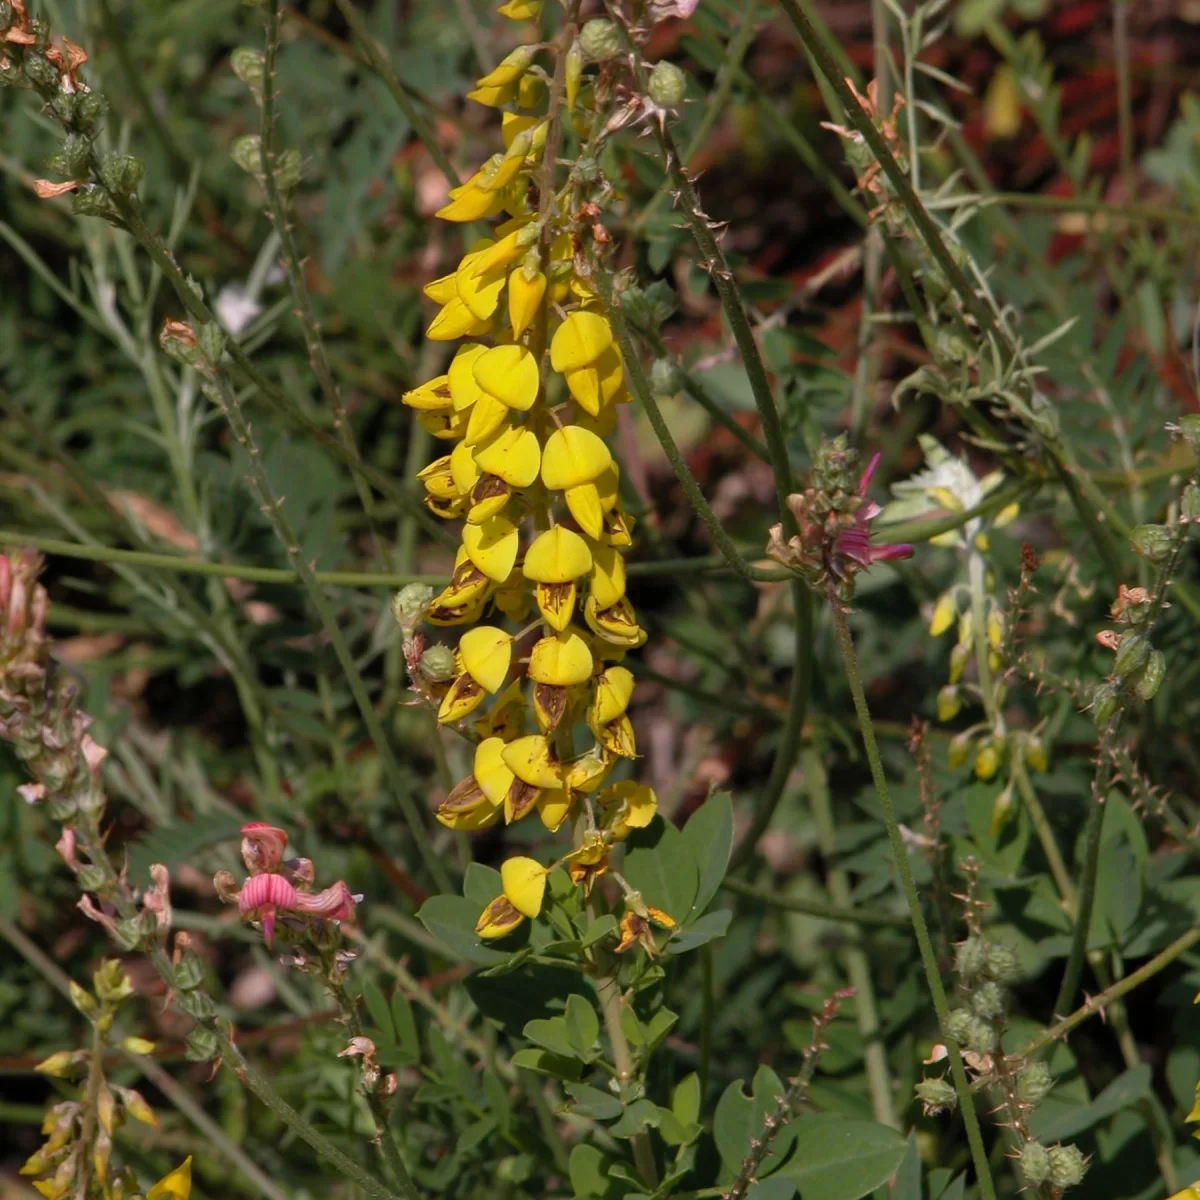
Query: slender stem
x=900 y=856
x=816 y=908
x=383 y=68
x=1092 y=831
x=1120 y=28
x=95 y=1079
x=1097 y=1004
x=1045 y=834
x=273 y=508
x=707 y=1005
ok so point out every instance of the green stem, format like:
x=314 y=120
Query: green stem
x=816 y=908
x=1087 y=899
x=900 y=856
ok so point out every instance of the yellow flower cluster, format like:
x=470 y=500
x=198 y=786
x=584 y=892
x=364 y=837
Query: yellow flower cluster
x=527 y=402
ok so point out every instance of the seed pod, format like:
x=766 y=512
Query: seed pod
x=1132 y=652
x=936 y=1095
x=1002 y=963
x=667 y=86
x=958 y=1025
x=246 y=151
x=1035 y=1083
x=1035 y=1163
x=970 y=958
x=1151 y=541
x=1104 y=703
x=600 y=40
x=987 y=1000
x=665 y=377
x=1067 y=1166
x=437 y=663
x=1152 y=675
x=122 y=173
x=248 y=65
x=574 y=73
x=409 y=605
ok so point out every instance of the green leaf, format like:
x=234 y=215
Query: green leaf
x=582 y=1024
x=377 y=1006
x=709 y=836
x=180 y=842
x=636 y=1117
x=451 y=919
x=907 y=1185
x=685 y=1099
x=482 y=884
x=659 y=864
x=602 y=927
x=710 y=926
x=546 y=1063
x=551 y=1034
x=588 y=1169
x=740 y=1117
x=659 y=1026
x=592 y=1102
x=405 y=1024
x=776 y=1188
x=1051 y=1123
x=837 y=1158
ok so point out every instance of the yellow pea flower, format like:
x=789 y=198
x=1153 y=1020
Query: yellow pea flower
x=617 y=624
x=579 y=341
x=491 y=772
x=176 y=1184
x=433 y=396
x=513 y=66
x=486 y=655
x=531 y=759
x=486 y=416
x=614 y=690
x=606 y=583
x=526 y=291
x=467 y=808
x=510 y=373
x=498 y=919
x=524 y=883
x=554 y=562
x=521 y=10
x=460 y=376
x=492 y=546
x=560 y=661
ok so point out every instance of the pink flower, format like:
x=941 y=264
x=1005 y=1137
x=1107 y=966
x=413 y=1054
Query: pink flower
x=335 y=903
x=262 y=847
x=262 y=896
x=853 y=542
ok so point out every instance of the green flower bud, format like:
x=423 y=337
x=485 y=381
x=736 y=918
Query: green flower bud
x=970 y=958
x=1035 y=1163
x=1189 y=502
x=246 y=152
x=91 y=878
x=1189 y=426
x=82 y=999
x=74 y=156
x=248 y=65
x=665 y=377
x=1104 y=702
x=981 y=1037
x=122 y=173
x=40 y=70
x=1067 y=1166
x=189 y=974
x=958 y=1025
x=410 y=604
x=89 y=108
x=667 y=86
x=1132 y=652
x=111 y=983
x=201 y=1045
x=959 y=750
x=437 y=663
x=63 y=106
x=1035 y=1083
x=949 y=702
x=197 y=1004
x=287 y=168
x=1002 y=963
x=211 y=340
x=1153 y=673
x=1151 y=541
x=936 y=1095
x=599 y=39
x=987 y=1000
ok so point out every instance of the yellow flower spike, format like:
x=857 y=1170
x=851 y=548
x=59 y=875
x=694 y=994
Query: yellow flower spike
x=556 y=559
x=492 y=546
x=514 y=455
x=479 y=290
x=521 y=10
x=524 y=883
x=455 y=320
x=532 y=760
x=614 y=690
x=512 y=125
x=606 y=583
x=617 y=737
x=493 y=777
x=579 y=341
x=944 y=614
x=510 y=374
x=560 y=661
x=462 y=698
x=554 y=808
x=441 y=291
x=617 y=624
x=505 y=721
x=506 y=251
x=525 y=295
x=573 y=456
x=498 y=919
x=472 y=203
x=584 y=504
x=464 y=471
x=464 y=391
x=467 y=808
x=177 y=1184
x=487 y=415
x=433 y=396
x=514 y=65
x=627 y=805
x=439 y=480
x=486 y=655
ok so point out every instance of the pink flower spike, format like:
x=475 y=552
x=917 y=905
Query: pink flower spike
x=263 y=847
x=335 y=903
x=262 y=896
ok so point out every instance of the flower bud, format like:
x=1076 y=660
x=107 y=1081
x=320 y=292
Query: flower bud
x=960 y=655
x=987 y=1000
x=409 y=605
x=981 y=1037
x=82 y=999
x=1151 y=541
x=1035 y=754
x=1002 y=963
x=91 y=201
x=1132 y=652
x=248 y=65
x=944 y=613
x=287 y=168
x=1153 y=673
x=573 y=74
x=72 y=159
x=1035 y=1163
x=437 y=663
x=122 y=173
x=137 y=1045
x=197 y=1004
x=665 y=377
x=201 y=1045
x=936 y=1095
x=987 y=760
x=1067 y=1166
x=40 y=71
x=246 y=152
x=600 y=41
x=1104 y=702
x=949 y=703
x=1035 y=1083
x=60 y=1064
x=970 y=958
x=667 y=85
x=189 y=974
x=89 y=108
x=91 y=878
x=958 y=1025
x=959 y=750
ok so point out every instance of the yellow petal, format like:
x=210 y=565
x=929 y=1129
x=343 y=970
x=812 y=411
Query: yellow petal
x=488 y=497
x=492 y=546
x=492 y=97
x=556 y=603
x=464 y=471
x=584 y=504
x=561 y=660
x=617 y=737
x=588 y=771
x=455 y=320
x=525 y=296
x=521 y=10
x=596 y=385
x=607 y=580
x=614 y=690
x=944 y=614
x=466 y=808
x=617 y=624
x=530 y=91
x=493 y=777
x=479 y=290
x=487 y=415
x=557 y=556
x=506 y=251
x=433 y=396
x=573 y=456
x=498 y=919
x=438 y=479
x=1005 y=515
x=486 y=654
x=462 y=698
x=628 y=805
x=531 y=760
x=441 y=291
x=474 y=204
x=510 y=373
x=514 y=455
x=178 y=1183
x=464 y=391
x=505 y=721
x=579 y=341
x=524 y=883
x=554 y=808
x=514 y=65
x=512 y=126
